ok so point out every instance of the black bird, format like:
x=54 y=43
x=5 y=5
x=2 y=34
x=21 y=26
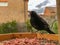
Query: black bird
x=39 y=23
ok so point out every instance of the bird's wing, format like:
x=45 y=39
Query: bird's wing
x=43 y=21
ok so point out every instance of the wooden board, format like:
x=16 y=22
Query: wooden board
x=28 y=35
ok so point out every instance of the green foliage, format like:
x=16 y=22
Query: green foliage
x=9 y=27
x=29 y=27
x=55 y=27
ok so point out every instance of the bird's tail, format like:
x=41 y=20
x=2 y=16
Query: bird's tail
x=49 y=31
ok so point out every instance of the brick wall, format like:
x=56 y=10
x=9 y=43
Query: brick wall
x=50 y=11
x=14 y=11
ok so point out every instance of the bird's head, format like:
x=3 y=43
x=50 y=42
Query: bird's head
x=33 y=14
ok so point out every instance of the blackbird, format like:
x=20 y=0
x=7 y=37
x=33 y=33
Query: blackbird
x=39 y=23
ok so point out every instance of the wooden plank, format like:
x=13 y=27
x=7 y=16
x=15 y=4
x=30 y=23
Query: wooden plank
x=48 y=36
x=28 y=35
x=23 y=35
x=3 y=0
x=5 y=37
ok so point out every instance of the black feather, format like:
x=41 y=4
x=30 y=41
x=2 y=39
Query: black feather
x=39 y=23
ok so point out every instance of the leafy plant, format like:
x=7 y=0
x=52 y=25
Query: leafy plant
x=29 y=27
x=55 y=27
x=8 y=27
